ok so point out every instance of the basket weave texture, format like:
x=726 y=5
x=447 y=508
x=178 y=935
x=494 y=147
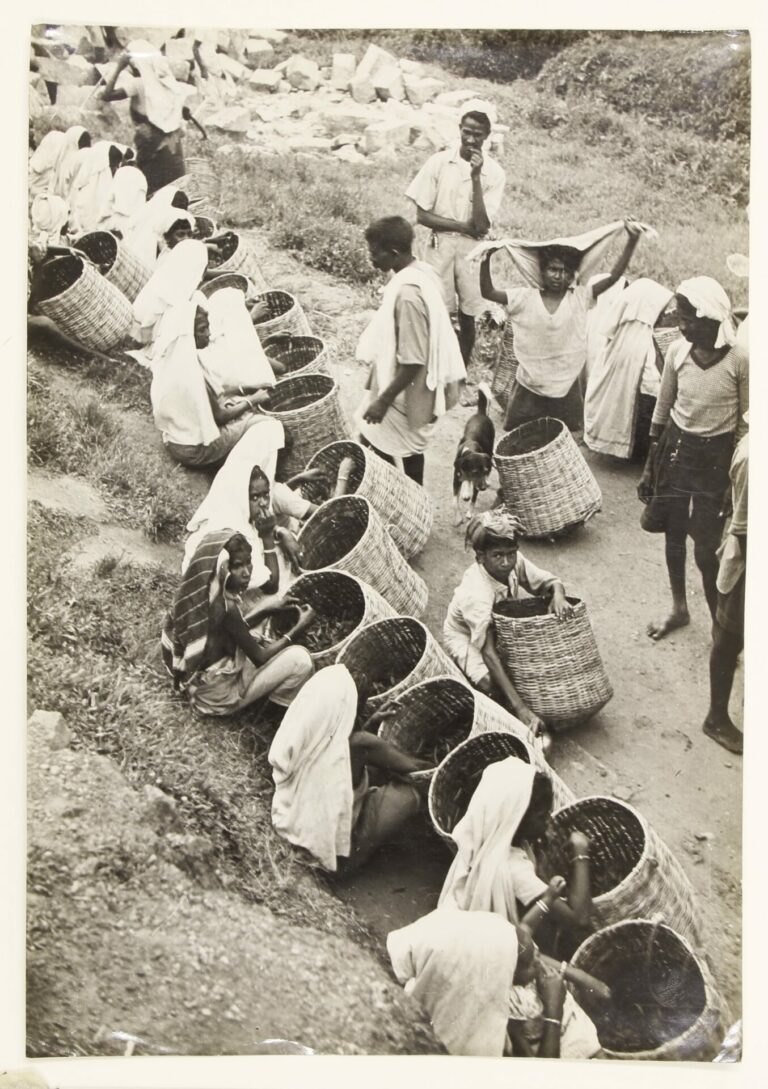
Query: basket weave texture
x=300 y=355
x=403 y=505
x=505 y=371
x=390 y=656
x=338 y=598
x=665 y=337
x=309 y=408
x=202 y=184
x=554 y=664
x=456 y=779
x=127 y=273
x=204 y=227
x=633 y=874
x=240 y=258
x=225 y=279
x=346 y=534
x=83 y=304
x=545 y=480
x=285 y=316
x=664 y=1002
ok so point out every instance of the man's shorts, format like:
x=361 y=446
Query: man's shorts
x=445 y=252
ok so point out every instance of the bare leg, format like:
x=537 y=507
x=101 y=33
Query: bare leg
x=466 y=336
x=679 y=617
x=707 y=563
x=726 y=647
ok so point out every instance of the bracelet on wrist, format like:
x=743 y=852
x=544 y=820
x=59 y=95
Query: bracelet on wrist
x=543 y=907
x=577 y=857
x=553 y=1020
x=270 y=551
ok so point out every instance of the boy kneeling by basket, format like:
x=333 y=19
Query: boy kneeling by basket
x=497 y=574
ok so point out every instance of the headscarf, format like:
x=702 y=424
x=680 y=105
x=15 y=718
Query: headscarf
x=492 y=523
x=164 y=95
x=152 y=221
x=234 y=358
x=479 y=105
x=92 y=185
x=459 y=966
x=710 y=300
x=313 y=801
x=49 y=217
x=173 y=282
x=483 y=837
x=643 y=301
x=42 y=163
x=68 y=160
x=129 y=197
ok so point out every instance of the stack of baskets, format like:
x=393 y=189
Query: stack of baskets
x=237 y=257
x=83 y=304
x=664 y=1003
x=633 y=875
x=125 y=272
x=390 y=656
x=343 y=604
x=544 y=478
x=309 y=408
x=554 y=664
x=505 y=371
x=285 y=316
x=298 y=354
x=403 y=505
x=226 y=279
x=346 y=534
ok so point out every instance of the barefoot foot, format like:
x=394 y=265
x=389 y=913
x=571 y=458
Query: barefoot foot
x=721 y=729
x=658 y=629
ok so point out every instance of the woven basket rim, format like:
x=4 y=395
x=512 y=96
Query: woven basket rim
x=210 y=287
x=385 y=620
x=333 y=388
x=529 y=424
x=68 y=257
x=322 y=512
x=575 y=601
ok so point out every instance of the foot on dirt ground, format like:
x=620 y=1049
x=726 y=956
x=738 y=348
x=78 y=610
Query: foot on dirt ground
x=659 y=628
x=722 y=730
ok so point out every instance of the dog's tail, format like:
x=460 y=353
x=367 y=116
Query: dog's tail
x=484 y=398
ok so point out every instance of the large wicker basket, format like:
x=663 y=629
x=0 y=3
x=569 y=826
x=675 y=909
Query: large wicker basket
x=309 y=408
x=343 y=604
x=126 y=272
x=202 y=184
x=544 y=478
x=403 y=505
x=346 y=534
x=390 y=656
x=456 y=779
x=299 y=355
x=633 y=873
x=554 y=664
x=664 y=1002
x=204 y=227
x=285 y=316
x=237 y=257
x=83 y=304
x=505 y=371
x=665 y=337
x=226 y=279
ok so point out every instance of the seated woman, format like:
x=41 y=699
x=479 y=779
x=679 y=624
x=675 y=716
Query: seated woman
x=129 y=199
x=627 y=374
x=234 y=361
x=90 y=195
x=495 y=865
x=209 y=648
x=497 y=574
x=51 y=163
x=323 y=801
x=157 y=215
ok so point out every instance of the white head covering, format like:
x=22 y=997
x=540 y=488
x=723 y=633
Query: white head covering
x=49 y=216
x=234 y=358
x=42 y=163
x=90 y=199
x=152 y=221
x=479 y=105
x=129 y=197
x=172 y=283
x=710 y=300
x=164 y=95
x=459 y=966
x=475 y=881
x=68 y=160
x=644 y=301
x=313 y=800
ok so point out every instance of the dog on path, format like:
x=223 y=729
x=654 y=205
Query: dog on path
x=474 y=458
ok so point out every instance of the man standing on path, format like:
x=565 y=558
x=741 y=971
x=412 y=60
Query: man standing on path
x=412 y=350
x=457 y=192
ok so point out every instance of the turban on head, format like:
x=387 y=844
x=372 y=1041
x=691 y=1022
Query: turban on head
x=709 y=299
x=493 y=523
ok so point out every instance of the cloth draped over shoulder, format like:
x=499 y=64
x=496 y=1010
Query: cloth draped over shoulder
x=313 y=799
x=164 y=94
x=226 y=503
x=90 y=200
x=234 y=357
x=185 y=631
x=483 y=837
x=156 y=216
x=43 y=162
x=596 y=316
x=175 y=278
x=66 y=164
x=48 y=216
x=710 y=300
x=591 y=244
x=459 y=966
x=610 y=404
x=129 y=198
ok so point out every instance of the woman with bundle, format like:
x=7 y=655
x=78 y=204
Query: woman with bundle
x=210 y=650
x=624 y=382
x=699 y=417
x=320 y=758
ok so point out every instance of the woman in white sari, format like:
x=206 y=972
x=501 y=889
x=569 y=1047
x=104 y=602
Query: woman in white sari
x=90 y=201
x=129 y=198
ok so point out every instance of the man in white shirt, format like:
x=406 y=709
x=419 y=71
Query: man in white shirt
x=457 y=192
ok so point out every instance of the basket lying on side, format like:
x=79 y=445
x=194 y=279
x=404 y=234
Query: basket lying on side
x=202 y=184
x=554 y=664
x=343 y=604
x=390 y=656
x=346 y=534
x=299 y=355
x=664 y=1003
x=544 y=478
x=309 y=408
x=633 y=874
x=456 y=779
x=238 y=257
x=285 y=316
x=403 y=505
x=125 y=272
x=505 y=371
x=83 y=304
x=226 y=279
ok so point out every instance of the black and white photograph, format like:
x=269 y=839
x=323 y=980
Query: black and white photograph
x=387 y=458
